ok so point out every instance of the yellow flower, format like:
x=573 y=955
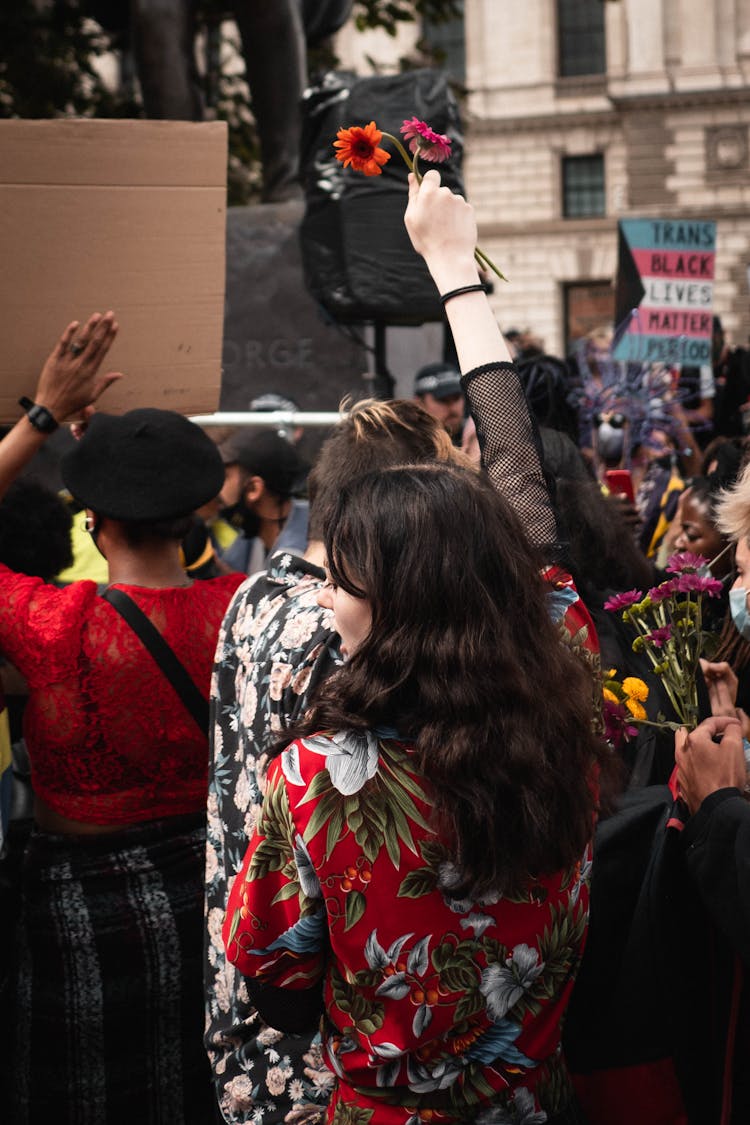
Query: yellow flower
x=609 y=695
x=636 y=709
x=610 y=675
x=635 y=688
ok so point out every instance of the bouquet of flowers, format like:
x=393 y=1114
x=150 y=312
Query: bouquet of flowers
x=669 y=624
x=359 y=147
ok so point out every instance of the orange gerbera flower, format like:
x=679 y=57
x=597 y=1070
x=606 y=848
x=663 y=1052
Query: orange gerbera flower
x=358 y=146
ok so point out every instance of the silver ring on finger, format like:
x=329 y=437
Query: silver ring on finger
x=76 y=347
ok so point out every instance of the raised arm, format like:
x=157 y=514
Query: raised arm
x=69 y=383
x=443 y=230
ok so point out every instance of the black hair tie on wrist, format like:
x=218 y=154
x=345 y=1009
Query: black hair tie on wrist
x=478 y=288
x=39 y=416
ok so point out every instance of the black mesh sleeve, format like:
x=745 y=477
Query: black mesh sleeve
x=512 y=450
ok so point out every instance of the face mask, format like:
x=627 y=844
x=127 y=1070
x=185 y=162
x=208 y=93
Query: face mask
x=610 y=441
x=738 y=609
x=242 y=517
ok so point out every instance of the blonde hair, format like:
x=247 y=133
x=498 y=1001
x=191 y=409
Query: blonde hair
x=374 y=435
x=733 y=508
x=371 y=416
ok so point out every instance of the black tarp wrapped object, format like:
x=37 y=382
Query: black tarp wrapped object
x=357 y=258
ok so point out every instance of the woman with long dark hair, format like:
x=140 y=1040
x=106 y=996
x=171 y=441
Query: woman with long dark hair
x=423 y=848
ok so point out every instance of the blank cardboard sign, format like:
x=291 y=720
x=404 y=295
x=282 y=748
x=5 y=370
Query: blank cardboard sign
x=123 y=215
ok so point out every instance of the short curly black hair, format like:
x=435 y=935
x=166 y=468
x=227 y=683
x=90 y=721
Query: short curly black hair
x=35 y=530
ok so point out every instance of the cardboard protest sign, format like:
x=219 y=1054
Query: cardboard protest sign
x=123 y=215
x=665 y=291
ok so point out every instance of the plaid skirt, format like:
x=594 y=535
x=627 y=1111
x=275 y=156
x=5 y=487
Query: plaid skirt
x=109 y=995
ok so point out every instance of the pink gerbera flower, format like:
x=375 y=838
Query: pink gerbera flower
x=425 y=142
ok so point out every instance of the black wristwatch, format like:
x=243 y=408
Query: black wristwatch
x=39 y=416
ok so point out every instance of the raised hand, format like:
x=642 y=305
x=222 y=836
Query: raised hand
x=70 y=379
x=442 y=228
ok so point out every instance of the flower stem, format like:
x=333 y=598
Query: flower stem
x=405 y=155
x=671 y=678
x=480 y=257
x=666 y=725
x=487 y=263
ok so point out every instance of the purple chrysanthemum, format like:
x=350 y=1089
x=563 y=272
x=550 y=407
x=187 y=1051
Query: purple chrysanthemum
x=616 y=723
x=659 y=637
x=685 y=561
x=663 y=591
x=623 y=601
x=691 y=583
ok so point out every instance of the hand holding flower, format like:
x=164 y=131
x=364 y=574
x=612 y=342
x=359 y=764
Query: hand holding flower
x=442 y=228
x=705 y=764
x=358 y=147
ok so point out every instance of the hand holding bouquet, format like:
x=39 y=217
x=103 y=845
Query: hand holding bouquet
x=669 y=624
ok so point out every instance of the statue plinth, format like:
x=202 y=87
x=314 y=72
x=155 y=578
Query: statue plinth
x=276 y=338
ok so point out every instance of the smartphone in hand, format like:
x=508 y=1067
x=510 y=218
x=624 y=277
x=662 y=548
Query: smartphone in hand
x=620 y=483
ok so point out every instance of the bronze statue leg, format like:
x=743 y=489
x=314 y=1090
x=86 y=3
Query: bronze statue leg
x=163 y=33
x=273 y=45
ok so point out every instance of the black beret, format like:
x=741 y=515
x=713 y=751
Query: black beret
x=144 y=465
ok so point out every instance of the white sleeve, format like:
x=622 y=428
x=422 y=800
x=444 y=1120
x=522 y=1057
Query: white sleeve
x=707 y=386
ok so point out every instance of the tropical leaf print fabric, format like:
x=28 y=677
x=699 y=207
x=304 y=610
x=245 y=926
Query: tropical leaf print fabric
x=438 y=1009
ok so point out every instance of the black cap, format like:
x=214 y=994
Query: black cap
x=438 y=379
x=147 y=464
x=266 y=454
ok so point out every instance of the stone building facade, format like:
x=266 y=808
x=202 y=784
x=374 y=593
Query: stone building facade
x=582 y=112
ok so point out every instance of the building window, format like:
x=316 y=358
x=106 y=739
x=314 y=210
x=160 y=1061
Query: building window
x=583 y=186
x=580 y=38
x=589 y=307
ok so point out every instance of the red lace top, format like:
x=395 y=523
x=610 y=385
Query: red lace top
x=110 y=741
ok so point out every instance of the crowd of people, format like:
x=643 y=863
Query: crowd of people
x=308 y=811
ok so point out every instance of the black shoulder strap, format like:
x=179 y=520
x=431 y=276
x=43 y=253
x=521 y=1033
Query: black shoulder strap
x=173 y=669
